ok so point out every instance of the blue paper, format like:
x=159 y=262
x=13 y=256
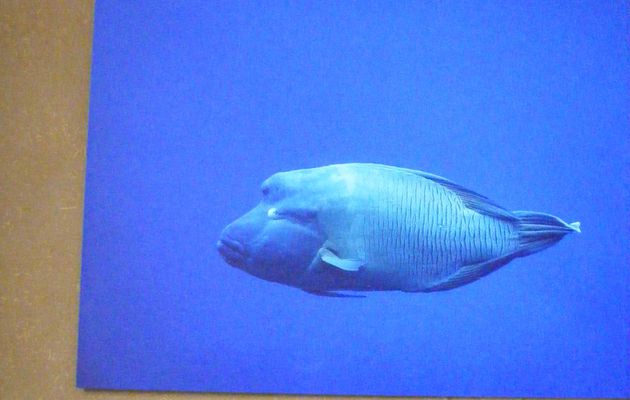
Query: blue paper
x=194 y=104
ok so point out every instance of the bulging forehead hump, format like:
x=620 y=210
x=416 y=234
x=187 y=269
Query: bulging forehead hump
x=298 y=179
x=314 y=183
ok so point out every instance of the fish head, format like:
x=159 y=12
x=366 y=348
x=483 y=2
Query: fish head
x=279 y=238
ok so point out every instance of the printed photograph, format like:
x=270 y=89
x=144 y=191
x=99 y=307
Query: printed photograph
x=416 y=198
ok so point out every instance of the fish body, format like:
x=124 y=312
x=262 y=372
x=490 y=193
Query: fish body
x=377 y=227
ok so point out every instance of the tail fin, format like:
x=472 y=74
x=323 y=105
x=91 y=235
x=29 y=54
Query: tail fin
x=537 y=231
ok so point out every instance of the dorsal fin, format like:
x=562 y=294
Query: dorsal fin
x=471 y=199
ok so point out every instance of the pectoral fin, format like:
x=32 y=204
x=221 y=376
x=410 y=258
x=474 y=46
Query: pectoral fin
x=346 y=264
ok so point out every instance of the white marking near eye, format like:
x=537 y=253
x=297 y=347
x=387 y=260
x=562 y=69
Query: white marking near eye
x=272 y=213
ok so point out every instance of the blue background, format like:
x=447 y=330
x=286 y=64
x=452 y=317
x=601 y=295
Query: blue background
x=194 y=104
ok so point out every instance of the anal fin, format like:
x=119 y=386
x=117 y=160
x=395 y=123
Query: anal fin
x=470 y=273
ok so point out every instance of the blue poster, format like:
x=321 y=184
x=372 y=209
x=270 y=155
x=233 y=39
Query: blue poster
x=358 y=198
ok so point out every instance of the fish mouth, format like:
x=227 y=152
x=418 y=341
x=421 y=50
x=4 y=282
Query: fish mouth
x=232 y=251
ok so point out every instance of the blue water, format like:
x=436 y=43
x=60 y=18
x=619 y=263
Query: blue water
x=193 y=105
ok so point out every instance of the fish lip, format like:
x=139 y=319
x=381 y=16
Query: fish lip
x=232 y=251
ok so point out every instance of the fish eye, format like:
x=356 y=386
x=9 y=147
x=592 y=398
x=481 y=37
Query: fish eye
x=265 y=189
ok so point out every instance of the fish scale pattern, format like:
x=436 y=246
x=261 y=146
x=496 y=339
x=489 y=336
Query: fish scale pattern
x=419 y=232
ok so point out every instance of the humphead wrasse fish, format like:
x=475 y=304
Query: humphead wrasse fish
x=366 y=227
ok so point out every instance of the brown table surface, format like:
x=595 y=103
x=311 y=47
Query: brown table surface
x=45 y=52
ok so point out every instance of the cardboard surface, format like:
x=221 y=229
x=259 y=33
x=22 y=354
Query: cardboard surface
x=44 y=80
